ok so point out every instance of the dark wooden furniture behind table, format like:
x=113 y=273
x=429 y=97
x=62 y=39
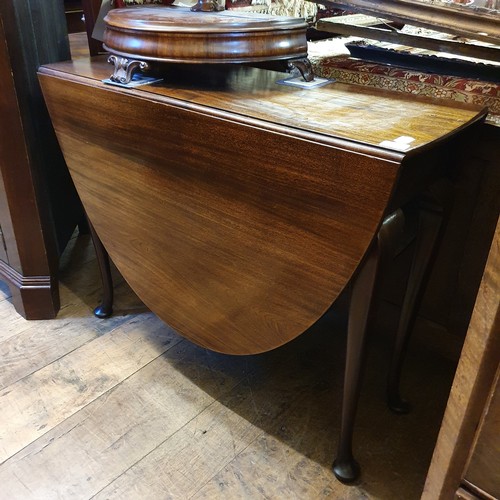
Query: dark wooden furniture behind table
x=239 y=209
x=91 y=12
x=75 y=17
x=39 y=207
x=466 y=461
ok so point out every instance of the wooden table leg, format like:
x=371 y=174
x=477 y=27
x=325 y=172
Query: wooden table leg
x=429 y=228
x=345 y=467
x=105 y=308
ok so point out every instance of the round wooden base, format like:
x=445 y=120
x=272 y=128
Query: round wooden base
x=177 y=34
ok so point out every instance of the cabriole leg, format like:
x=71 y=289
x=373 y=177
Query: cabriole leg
x=345 y=467
x=105 y=309
x=429 y=227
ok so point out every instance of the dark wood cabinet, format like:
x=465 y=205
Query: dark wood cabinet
x=39 y=208
x=466 y=461
x=91 y=11
x=75 y=18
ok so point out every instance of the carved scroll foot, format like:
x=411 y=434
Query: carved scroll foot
x=303 y=66
x=124 y=68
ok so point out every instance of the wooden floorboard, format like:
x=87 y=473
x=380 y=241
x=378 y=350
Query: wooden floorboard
x=216 y=436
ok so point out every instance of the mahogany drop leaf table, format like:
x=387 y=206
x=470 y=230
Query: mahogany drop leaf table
x=239 y=209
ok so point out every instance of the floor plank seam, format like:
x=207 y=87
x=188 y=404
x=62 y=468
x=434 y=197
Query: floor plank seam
x=170 y=436
x=226 y=464
x=107 y=392
x=13 y=457
x=99 y=334
x=244 y=380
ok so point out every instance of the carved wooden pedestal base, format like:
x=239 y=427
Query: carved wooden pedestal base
x=141 y=35
x=125 y=68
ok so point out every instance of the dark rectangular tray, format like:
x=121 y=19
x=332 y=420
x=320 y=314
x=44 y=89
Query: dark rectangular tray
x=425 y=63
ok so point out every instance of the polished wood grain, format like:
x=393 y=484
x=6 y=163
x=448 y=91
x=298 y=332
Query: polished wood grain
x=281 y=207
x=362 y=115
x=176 y=34
x=79 y=45
x=254 y=224
x=473 y=387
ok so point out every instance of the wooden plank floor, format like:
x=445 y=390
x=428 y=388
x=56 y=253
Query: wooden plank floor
x=125 y=408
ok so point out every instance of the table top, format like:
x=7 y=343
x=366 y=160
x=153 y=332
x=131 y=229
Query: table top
x=238 y=209
x=387 y=120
